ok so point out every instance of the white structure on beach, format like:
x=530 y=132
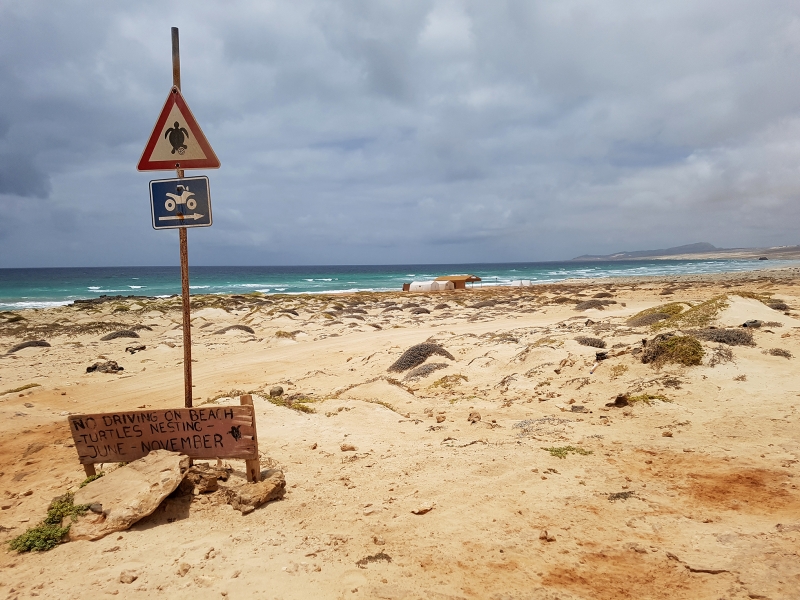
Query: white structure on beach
x=521 y=283
x=430 y=286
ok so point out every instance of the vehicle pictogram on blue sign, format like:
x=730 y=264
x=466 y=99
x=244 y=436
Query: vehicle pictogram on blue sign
x=180 y=203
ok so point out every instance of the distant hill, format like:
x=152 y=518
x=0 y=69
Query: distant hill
x=698 y=248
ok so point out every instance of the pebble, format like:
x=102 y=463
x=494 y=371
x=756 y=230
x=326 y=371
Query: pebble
x=347 y=448
x=547 y=536
x=276 y=391
x=128 y=576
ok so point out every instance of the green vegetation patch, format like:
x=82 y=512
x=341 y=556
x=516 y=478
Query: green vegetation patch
x=92 y=478
x=647 y=398
x=49 y=533
x=448 y=381
x=699 y=315
x=297 y=402
x=653 y=315
x=562 y=451
x=667 y=348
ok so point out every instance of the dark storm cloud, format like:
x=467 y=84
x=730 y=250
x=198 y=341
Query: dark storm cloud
x=376 y=131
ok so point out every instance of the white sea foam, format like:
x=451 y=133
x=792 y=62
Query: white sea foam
x=23 y=304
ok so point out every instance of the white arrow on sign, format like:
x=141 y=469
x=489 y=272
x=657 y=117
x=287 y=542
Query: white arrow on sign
x=194 y=217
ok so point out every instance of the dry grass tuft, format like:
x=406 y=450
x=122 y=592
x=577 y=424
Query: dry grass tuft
x=720 y=356
x=590 y=341
x=778 y=352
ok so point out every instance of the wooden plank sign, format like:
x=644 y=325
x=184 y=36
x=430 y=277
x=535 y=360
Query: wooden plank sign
x=204 y=432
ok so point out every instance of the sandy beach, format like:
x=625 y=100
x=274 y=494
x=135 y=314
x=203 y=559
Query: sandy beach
x=495 y=469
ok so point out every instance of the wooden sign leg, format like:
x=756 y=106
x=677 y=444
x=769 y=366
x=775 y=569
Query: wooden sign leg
x=89 y=470
x=253 y=467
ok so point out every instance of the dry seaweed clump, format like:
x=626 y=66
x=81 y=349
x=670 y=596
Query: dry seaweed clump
x=594 y=303
x=416 y=355
x=670 y=348
x=778 y=352
x=730 y=337
x=653 y=315
x=590 y=341
x=424 y=370
x=245 y=328
x=28 y=344
x=122 y=333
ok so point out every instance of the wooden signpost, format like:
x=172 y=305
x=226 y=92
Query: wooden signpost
x=177 y=142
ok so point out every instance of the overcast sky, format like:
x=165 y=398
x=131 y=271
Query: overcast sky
x=371 y=132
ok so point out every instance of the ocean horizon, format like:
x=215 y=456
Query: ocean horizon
x=49 y=287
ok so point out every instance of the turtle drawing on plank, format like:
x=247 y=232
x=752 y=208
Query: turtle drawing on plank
x=176 y=135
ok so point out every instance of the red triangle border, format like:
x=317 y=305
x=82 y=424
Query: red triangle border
x=210 y=162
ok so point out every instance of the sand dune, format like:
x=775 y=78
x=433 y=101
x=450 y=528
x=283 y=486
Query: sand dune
x=689 y=491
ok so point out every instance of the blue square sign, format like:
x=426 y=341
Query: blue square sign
x=178 y=203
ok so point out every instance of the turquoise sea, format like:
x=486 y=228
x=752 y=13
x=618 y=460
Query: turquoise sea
x=42 y=288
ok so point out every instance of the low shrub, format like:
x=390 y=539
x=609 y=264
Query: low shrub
x=669 y=348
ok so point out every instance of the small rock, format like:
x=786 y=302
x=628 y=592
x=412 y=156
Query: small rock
x=378 y=541
x=28 y=405
x=183 y=569
x=578 y=409
x=96 y=508
x=619 y=401
x=128 y=576
x=547 y=536
x=202 y=478
x=424 y=508
x=314 y=446
x=666 y=434
x=347 y=448
x=474 y=417
x=440 y=418
x=752 y=323
x=600 y=356
x=135 y=348
x=275 y=391
x=249 y=496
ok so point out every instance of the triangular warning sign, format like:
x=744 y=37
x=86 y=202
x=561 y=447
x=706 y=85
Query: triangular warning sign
x=177 y=142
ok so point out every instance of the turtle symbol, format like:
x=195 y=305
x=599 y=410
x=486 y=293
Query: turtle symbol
x=176 y=135
x=235 y=432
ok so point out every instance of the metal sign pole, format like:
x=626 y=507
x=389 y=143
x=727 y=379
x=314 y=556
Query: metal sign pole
x=184 y=249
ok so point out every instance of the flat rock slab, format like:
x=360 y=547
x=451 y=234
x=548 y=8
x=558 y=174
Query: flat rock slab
x=128 y=494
